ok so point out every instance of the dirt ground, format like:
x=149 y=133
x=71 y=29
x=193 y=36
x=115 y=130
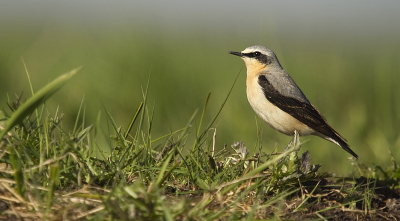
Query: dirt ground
x=329 y=201
x=326 y=202
x=385 y=202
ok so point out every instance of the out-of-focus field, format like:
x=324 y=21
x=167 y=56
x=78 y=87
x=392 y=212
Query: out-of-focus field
x=353 y=81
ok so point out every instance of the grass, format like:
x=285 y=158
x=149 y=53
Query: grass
x=48 y=173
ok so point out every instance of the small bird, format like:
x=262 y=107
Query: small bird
x=276 y=98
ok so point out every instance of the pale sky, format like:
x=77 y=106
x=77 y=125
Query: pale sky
x=360 y=17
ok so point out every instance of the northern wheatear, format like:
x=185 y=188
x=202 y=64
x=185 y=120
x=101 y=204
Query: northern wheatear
x=275 y=97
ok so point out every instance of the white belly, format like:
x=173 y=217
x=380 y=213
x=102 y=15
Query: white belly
x=272 y=115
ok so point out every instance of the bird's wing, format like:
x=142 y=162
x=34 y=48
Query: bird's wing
x=304 y=112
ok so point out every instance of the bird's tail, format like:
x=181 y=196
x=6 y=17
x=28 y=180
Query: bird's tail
x=340 y=141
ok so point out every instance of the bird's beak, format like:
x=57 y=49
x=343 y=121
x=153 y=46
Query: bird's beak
x=236 y=53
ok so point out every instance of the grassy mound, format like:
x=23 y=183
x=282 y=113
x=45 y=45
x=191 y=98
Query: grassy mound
x=48 y=173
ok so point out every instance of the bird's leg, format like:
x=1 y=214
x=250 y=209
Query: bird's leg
x=287 y=148
x=292 y=141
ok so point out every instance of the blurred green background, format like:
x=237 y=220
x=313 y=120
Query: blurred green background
x=345 y=56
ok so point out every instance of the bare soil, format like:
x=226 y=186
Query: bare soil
x=325 y=202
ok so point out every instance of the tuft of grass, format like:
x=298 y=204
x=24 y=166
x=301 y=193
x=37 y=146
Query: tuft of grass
x=36 y=100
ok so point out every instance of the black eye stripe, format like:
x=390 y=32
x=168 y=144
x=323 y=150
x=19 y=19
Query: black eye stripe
x=262 y=58
x=253 y=54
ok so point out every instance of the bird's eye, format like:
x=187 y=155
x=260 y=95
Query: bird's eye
x=257 y=53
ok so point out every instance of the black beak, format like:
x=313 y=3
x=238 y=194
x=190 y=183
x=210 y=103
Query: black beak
x=236 y=53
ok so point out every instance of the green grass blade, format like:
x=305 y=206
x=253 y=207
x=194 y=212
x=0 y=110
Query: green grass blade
x=54 y=177
x=162 y=171
x=31 y=86
x=202 y=113
x=167 y=213
x=78 y=115
x=83 y=134
x=133 y=120
x=18 y=175
x=39 y=98
x=27 y=74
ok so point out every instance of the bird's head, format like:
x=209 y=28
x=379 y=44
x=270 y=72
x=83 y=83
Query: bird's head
x=257 y=58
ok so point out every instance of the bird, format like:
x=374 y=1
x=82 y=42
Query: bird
x=276 y=98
